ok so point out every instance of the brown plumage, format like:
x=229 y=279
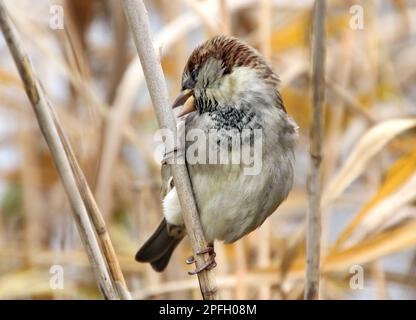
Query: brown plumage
x=233 y=53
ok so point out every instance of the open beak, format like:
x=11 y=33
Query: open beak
x=186 y=99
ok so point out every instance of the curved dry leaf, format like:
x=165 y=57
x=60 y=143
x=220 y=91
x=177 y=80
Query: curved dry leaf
x=371 y=143
x=391 y=241
x=398 y=189
x=386 y=243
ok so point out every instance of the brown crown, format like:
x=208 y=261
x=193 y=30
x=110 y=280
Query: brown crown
x=233 y=53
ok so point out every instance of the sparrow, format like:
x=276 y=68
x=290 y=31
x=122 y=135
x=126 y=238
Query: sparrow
x=230 y=92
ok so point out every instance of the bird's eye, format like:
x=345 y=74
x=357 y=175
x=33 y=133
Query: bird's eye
x=189 y=79
x=194 y=74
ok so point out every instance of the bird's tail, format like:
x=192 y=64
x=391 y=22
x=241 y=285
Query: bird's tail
x=158 y=249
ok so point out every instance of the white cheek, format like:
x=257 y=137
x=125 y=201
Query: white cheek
x=242 y=79
x=172 y=208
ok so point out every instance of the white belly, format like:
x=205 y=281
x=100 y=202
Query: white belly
x=232 y=204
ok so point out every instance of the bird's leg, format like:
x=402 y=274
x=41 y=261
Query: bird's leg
x=210 y=264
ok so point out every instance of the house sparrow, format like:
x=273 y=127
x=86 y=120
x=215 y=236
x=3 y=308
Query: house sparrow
x=227 y=89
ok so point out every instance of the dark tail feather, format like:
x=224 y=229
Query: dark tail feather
x=158 y=248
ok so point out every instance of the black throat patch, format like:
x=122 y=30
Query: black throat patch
x=231 y=118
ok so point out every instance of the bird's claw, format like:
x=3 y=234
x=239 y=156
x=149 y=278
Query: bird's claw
x=208 y=265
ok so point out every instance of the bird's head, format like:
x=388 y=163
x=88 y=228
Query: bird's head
x=224 y=71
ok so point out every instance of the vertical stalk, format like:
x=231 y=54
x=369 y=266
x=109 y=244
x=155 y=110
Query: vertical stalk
x=313 y=235
x=138 y=20
x=264 y=237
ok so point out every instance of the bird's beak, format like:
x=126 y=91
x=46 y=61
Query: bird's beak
x=186 y=99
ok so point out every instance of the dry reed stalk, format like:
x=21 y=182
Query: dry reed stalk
x=138 y=20
x=313 y=234
x=264 y=234
x=67 y=166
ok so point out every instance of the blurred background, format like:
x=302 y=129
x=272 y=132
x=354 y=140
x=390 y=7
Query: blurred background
x=90 y=72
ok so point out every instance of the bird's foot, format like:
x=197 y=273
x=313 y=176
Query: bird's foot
x=208 y=265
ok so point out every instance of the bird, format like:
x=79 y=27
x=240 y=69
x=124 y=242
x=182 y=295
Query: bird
x=228 y=91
